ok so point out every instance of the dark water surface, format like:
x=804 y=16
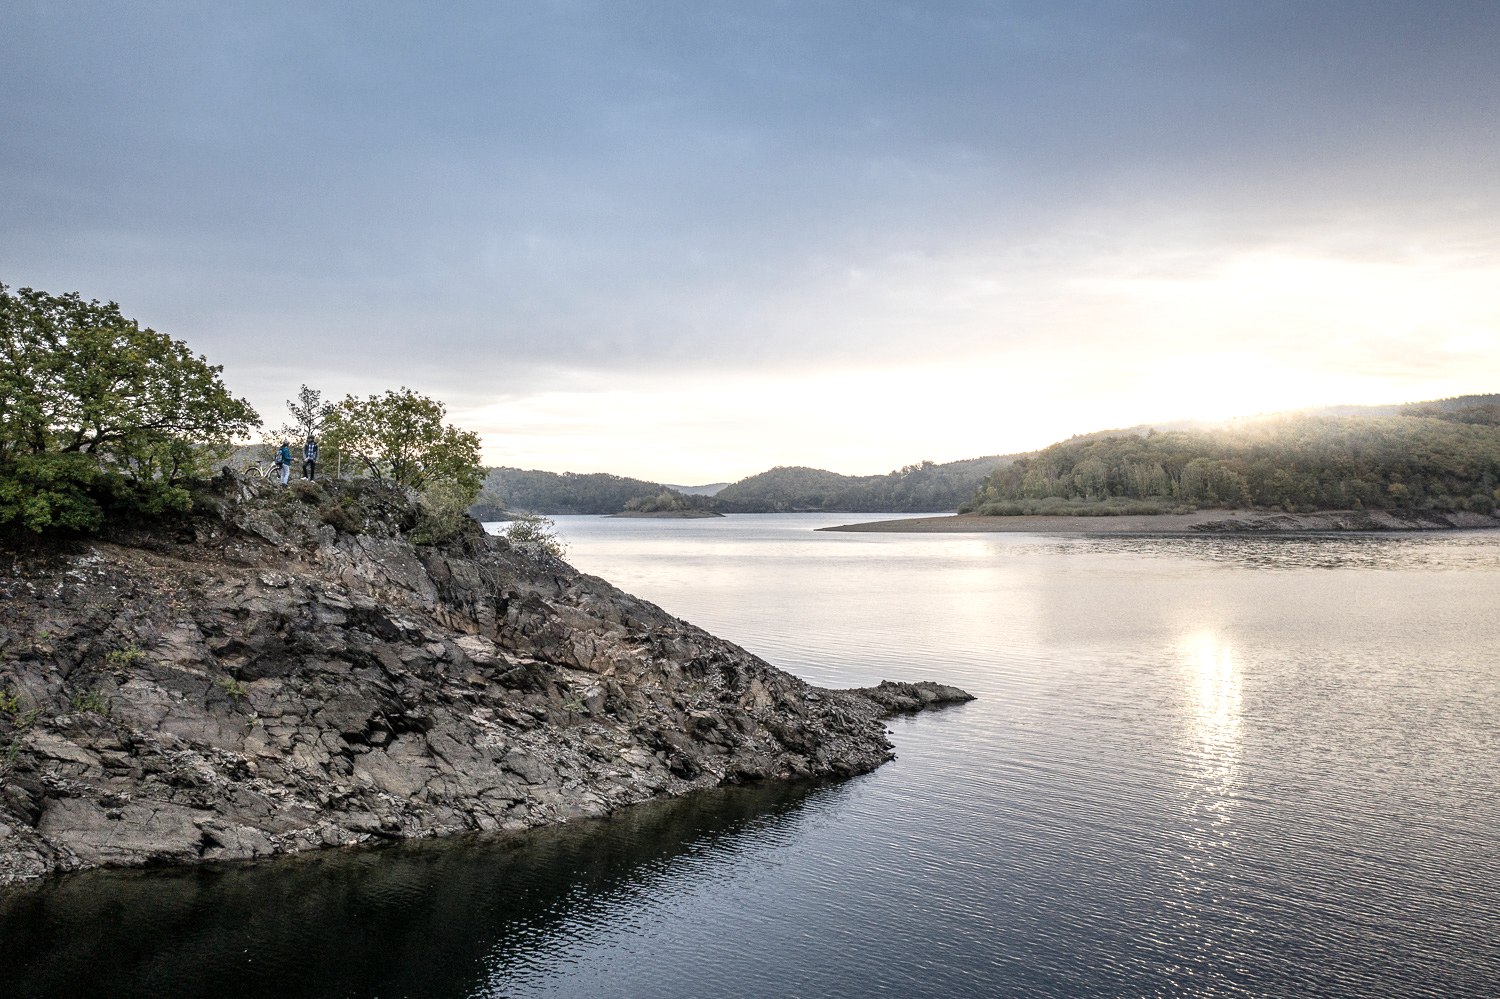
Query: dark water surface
x=1199 y=766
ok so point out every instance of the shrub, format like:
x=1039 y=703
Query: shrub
x=535 y=535
x=442 y=513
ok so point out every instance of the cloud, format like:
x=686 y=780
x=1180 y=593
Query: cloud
x=521 y=202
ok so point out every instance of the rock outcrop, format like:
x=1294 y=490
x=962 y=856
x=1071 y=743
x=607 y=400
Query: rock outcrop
x=286 y=670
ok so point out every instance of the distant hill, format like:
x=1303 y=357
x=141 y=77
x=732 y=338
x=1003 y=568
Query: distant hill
x=1442 y=455
x=1478 y=409
x=526 y=490
x=925 y=487
x=1332 y=458
x=712 y=489
x=1463 y=408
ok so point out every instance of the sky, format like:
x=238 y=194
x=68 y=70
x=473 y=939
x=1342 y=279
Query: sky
x=688 y=241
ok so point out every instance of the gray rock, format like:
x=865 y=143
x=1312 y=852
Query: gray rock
x=287 y=671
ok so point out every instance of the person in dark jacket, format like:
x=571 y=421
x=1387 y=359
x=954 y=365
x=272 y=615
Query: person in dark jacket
x=284 y=459
x=310 y=458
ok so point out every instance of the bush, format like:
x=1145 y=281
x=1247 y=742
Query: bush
x=45 y=492
x=443 y=514
x=533 y=535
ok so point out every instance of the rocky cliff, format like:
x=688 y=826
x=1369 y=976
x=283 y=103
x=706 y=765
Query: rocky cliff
x=286 y=669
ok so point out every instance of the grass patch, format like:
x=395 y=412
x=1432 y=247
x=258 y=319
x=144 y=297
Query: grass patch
x=95 y=701
x=123 y=657
x=19 y=721
x=236 y=690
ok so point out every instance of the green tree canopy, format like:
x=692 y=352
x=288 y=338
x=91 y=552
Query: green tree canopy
x=1449 y=460
x=98 y=412
x=400 y=437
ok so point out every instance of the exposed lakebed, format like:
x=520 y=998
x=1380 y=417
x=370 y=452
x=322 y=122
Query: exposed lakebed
x=1221 y=765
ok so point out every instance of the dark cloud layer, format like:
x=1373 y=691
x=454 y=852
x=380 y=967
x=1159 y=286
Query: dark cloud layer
x=380 y=189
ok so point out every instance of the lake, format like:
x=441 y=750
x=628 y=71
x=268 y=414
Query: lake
x=1227 y=766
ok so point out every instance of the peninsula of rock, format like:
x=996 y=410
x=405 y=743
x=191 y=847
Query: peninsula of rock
x=287 y=669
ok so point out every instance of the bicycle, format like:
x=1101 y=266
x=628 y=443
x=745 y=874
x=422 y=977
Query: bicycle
x=258 y=469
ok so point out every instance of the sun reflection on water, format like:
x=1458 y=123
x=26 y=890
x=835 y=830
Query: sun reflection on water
x=1213 y=716
x=1216 y=696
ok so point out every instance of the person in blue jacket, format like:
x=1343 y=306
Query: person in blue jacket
x=284 y=459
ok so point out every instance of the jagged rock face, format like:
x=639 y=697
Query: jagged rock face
x=291 y=672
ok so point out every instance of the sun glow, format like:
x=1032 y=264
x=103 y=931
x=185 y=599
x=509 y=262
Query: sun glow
x=992 y=366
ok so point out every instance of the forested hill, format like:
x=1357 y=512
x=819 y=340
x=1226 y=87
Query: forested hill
x=1442 y=456
x=925 y=487
x=529 y=490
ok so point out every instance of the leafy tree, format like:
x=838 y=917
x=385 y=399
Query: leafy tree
x=101 y=414
x=400 y=437
x=309 y=417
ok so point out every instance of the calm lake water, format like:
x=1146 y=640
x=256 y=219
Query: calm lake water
x=1202 y=766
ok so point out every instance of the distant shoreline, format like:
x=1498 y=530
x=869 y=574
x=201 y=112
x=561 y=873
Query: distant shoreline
x=1200 y=522
x=668 y=514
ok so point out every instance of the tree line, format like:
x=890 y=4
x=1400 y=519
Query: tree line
x=1437 y=457
x=518 y=490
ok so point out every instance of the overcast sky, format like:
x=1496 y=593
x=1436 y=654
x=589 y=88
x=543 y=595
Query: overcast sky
x=688 y=241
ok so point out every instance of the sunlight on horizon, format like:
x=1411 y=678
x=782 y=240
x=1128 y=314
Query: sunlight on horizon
x=1258 y=333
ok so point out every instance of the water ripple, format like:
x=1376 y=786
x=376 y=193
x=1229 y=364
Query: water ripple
x=1198 y=766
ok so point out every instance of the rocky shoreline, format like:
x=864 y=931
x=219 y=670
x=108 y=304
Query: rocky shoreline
x=287 y=670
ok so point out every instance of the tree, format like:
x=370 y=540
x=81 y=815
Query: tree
x=309 y=417
x=100 y=413
x=309 y=413
x=400 y=437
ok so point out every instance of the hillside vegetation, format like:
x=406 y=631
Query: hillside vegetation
x=926 y=487
x=1435 y=456
x=534 y=491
